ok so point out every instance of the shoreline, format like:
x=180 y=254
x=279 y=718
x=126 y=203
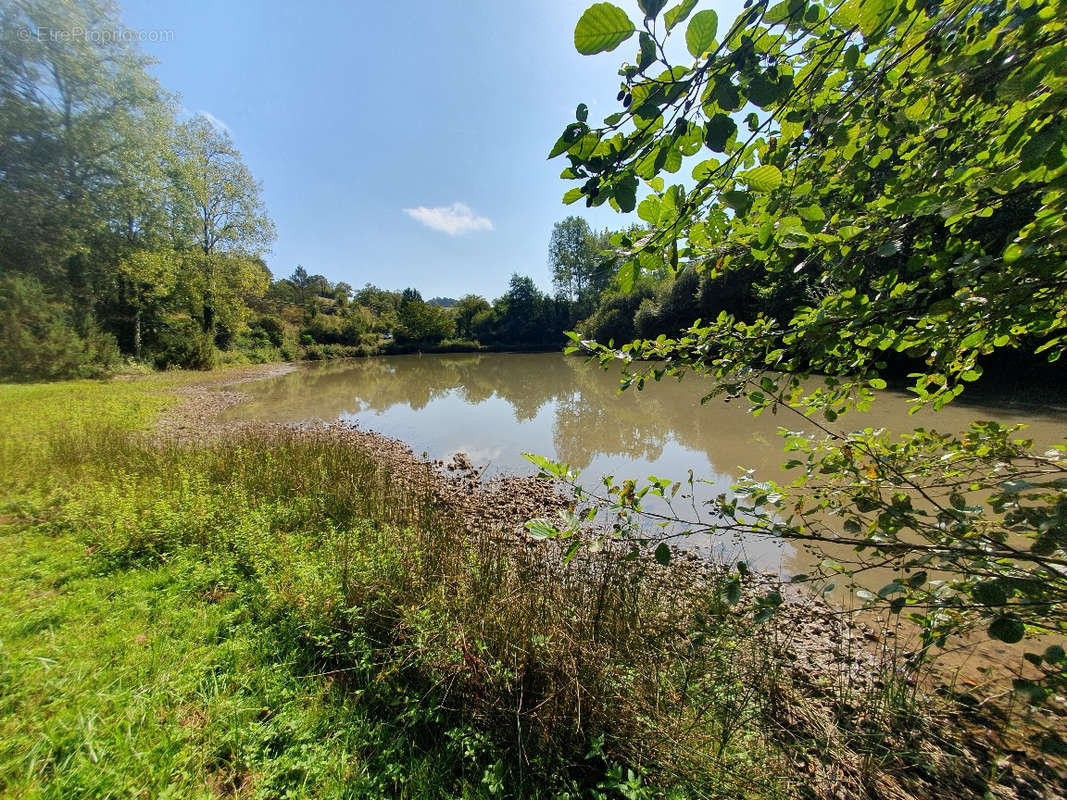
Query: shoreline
x=816 y=645
x=488 y=504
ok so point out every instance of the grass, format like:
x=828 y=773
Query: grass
x=278 y=616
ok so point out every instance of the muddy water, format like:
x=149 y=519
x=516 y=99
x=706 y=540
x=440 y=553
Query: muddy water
x=494 y=407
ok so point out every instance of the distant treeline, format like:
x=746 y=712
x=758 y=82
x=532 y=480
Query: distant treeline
x=129 y=234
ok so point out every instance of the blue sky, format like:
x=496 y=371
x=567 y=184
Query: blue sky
x=351 y=112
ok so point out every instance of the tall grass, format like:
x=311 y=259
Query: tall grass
x=279 y=614
x=601 y=675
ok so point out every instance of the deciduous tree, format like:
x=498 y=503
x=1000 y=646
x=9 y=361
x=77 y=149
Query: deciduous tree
x=910 y=158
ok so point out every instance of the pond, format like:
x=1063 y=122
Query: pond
x=495 y=406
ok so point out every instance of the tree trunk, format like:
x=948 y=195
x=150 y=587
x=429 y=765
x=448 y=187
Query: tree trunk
x=137 y=335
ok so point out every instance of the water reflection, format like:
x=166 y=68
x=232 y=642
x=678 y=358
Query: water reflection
x=493 y=407
x=590 y=418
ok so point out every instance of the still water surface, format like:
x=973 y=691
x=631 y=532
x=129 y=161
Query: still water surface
x=494 y=407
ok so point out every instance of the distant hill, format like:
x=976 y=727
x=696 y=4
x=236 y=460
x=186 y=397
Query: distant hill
x=444 y=302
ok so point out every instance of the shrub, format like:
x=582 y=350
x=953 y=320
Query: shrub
x=614 y=319
x=457 y=346
x=38 y=341
x=333 y=329
x=182 y=343
x=270 y=328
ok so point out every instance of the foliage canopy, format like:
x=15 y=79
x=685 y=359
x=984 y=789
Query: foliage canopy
x=902 y=167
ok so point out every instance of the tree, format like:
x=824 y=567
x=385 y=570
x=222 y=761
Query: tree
x=37 y=341
x=149 y=278
x=573 y=257
x=341 y=293
x=130 y=223
x=216 y=287
x=519 y=311
x=80 y=126
x=421 y=323
x=910 y=158
x=381 y=302
x=467 y=309
x=219 y=212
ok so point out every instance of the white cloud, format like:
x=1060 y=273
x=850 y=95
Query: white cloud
x=454 y=219
x=218 y=123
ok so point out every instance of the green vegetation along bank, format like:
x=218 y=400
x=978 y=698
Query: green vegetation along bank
x=267 y=612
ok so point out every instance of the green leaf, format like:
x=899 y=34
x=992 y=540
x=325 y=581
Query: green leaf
x=582 y=113
x=679 y=13
x=765 y=93
x=541 y=529
x=1007 y=628
x=718 y=132
x=628 y=276
x=625 y=193
x=1012 y=253
x=811 y=213
x=601 y=29
x=739 y=201
x=733 y=592
x=571 y=134
x=651 y=7
x=764 y=178
x=783 y=11
x=1054 y=654
x=869 y=15
x=705 y=169
x=989 y=593
x=700 y=35
x=572 y=195
x=663 y=554
x=648 y=50
x=649 y=210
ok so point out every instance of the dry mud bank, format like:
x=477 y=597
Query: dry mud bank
x=839 y=675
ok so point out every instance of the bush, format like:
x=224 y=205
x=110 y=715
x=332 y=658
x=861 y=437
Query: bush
x=333 y=329
x=38 y=341
x=261 y=344
x=614 y=319
x=457 y=346
x=182 y=343
x=646 y=320
x=420 y=323
x=270 y=328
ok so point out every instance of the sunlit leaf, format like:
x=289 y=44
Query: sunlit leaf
x=700 y=35
x=602 y=28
